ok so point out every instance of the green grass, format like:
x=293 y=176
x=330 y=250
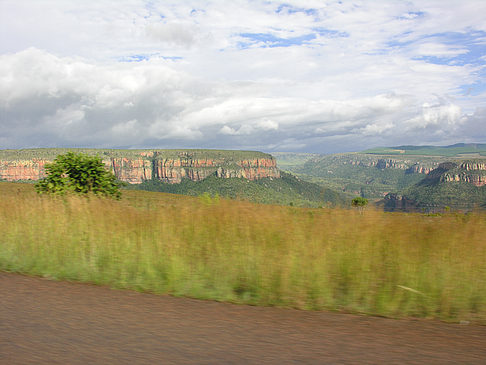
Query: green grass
x=371 y=262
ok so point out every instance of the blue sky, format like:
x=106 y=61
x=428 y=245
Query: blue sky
x=309 y=76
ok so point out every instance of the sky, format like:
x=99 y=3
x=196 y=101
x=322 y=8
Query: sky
x=305 y=76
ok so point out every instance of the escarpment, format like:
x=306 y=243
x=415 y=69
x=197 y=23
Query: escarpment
x=22 y=169
x=136 y=166
x=410 y=165
x=130 y=170
x=472 y=172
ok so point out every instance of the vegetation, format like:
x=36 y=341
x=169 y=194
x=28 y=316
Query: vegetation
x=374 y=173
x=289 y=160
x=356 y=173
x=285 y=191
x=456 y=195
x=51 y=153
x=78 y=173
x=378 y=263
x=435 y=192
x=359 y=202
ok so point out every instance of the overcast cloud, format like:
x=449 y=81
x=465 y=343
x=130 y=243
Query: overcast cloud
x=310 y=76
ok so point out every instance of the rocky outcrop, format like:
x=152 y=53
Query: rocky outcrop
x=22 y=169
x=130 y=170
x=473 y=165
x=134 y=167
x=174 y=170
x=471 y=172
x=476 y=180
x=410 y=165
x=419 y=169
x=389 y=163
x=398 y=203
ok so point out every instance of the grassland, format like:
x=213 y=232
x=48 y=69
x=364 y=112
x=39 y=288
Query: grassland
x=389 y=264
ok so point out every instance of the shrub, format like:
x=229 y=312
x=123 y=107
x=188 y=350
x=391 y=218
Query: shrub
x=359 y=202
x=78 y=173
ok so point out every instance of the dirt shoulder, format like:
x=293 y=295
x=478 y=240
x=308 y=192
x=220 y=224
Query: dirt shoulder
x=48 y=322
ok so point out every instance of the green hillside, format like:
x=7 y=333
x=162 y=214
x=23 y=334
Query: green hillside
x=288 y=161
x=435 y=191
x=371 y=176
x=456 y=195
x=288 y=190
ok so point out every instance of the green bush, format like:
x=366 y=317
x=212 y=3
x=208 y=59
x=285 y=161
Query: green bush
x=359 y=202
x=78 y=173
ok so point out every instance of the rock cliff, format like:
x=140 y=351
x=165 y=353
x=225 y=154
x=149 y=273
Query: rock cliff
x=458 y=185
x=410 y=165
x=473 y=172
x=136 y=166
x=22 y=169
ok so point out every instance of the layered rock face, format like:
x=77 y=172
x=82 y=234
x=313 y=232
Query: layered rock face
x=398 y=203
x=170 y=166
x=22 y=169
x=410 y=165
x=476 y=180
x=473 y=165
x=130 y=170
x=470 y=171
x=174 y=170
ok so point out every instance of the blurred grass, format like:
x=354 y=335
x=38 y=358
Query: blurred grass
x=390 y=264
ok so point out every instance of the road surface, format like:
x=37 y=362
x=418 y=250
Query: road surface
x=49 y=322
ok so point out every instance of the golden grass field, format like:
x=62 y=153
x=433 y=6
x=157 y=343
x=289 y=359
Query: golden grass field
x=391 y=264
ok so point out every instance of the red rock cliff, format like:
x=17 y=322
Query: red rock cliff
x=22 y=169
x=145 y=165
x=130 y=170
x=174 y=170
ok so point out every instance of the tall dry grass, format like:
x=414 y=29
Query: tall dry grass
x=390 y=264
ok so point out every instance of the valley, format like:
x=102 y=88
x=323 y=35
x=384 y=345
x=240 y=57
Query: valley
x=394 y=176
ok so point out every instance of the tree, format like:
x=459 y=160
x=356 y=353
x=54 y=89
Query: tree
x=359 y=202
x=78 y=173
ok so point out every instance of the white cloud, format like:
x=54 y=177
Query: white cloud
x=439 y=50
x=267 y=75
x=173 y=33
x=228 y=131
x=267 y=124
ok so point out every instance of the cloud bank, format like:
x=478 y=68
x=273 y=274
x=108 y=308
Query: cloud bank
x=296 y=76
